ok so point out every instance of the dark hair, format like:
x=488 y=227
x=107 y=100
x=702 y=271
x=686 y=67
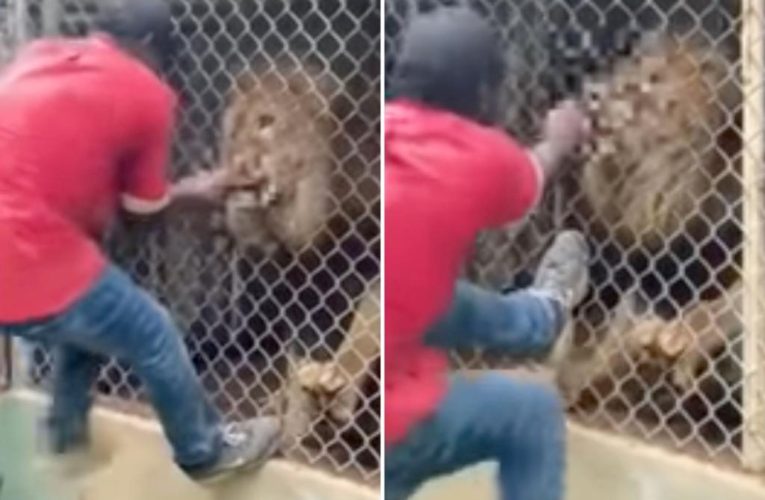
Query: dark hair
x=143 y=27
x=451 y=58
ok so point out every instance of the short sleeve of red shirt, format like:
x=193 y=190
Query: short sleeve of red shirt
x=144 y=170
x=510 y=181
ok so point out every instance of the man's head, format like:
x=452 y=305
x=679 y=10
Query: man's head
x=451 y=58
x=143 y=27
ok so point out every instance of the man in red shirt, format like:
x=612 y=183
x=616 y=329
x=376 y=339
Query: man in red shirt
x=448 y=175
x=85 y=130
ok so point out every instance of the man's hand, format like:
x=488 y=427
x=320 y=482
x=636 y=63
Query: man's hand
x=207 y=185
x=566 y=127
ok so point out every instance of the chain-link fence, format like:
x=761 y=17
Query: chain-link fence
x=668 y=345
x=7 y=35
x=294 y=330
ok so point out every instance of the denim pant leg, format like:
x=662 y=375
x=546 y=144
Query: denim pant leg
x=74 y=373
x=523 y=323
x=489 y=417
x=116 y=318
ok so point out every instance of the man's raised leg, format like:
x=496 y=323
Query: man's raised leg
x=489 y=417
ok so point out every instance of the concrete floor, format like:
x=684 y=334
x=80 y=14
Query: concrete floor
x=604 y=467
x=130 y=461
x=17 y=444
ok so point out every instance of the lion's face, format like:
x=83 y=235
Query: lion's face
x=654 y=123
x=277 y=138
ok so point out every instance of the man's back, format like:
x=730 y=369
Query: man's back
x=446 y=178
x=75 y=120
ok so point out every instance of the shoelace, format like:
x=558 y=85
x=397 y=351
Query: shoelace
x=234 y=435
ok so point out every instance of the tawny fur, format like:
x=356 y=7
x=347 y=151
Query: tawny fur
x=333 y=389
x=684 y=346
x=276 y=147
x=657 y=119
x=662 y=163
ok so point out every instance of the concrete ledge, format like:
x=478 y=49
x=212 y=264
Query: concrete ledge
x=130 y=460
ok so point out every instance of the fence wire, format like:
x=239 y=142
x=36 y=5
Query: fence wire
x=7 y=34
x=295 y=331
x=660 y=193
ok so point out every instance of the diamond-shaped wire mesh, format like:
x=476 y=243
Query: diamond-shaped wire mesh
x=296 y=332
x=660 y=194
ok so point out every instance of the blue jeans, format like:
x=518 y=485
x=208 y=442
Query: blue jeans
x=118 y=319
x=491 y=416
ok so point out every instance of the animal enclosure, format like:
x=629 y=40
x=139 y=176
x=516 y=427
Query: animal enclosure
x=669 y=344
x=272 y=319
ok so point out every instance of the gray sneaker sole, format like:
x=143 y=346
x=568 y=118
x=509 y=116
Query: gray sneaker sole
x=224 y=474
x=569 y=248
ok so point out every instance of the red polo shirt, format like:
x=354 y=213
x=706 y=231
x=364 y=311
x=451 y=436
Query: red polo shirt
x=82 y=125
x=446 y=179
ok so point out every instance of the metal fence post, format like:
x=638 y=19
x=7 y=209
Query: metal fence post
x=753 y=161
x=20 y=33
x=51 y=17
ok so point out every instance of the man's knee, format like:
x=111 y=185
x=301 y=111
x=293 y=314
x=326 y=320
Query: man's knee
x=165 y=352
x=546 y=403
x=541 y=419
x=154 y=326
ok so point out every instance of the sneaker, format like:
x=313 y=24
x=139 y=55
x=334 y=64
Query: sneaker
x=246 y=446
x=563 y=271
x=563 y=274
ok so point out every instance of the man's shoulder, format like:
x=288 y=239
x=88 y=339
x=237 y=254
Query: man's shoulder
x=98 y=53
x=54 y=49
x=403 y=115
x=134 y=72
x=144 y=90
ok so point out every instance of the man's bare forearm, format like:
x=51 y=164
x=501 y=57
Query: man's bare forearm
x=186 y=197
x=548 y=157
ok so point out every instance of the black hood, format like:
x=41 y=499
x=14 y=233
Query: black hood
x=143 y=24
x=450 y=58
